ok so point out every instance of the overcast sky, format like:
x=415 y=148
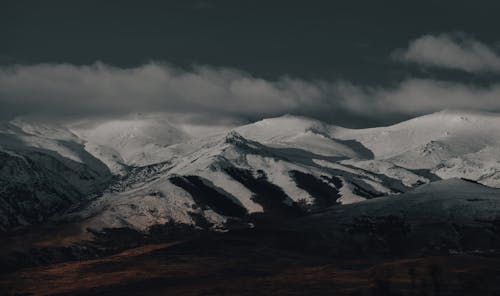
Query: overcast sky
x=352 y=63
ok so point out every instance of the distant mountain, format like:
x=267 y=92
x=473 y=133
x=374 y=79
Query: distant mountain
x=134 y=141
x=448 y=143
x=144 y=171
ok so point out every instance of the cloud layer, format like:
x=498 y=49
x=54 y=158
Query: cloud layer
x=214 y=95
x=421 y=96
x=446 y=51
x=68 y=90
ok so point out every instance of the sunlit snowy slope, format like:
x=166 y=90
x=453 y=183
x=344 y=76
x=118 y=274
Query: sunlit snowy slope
x=272 y=169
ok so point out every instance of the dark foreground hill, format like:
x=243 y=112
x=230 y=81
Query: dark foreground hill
x=439 y=239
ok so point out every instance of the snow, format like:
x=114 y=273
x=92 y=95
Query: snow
x=229 y=185
x=449 y=143
x=140 y=208
x=277 y=172
x=147 y=150
x=45 y=169
x=407 y=177
x=17 y=135
x=57 y=142
x=483 y=166
x=453 y=127
x=135 y=141
x=347 y=195
x=297 y=132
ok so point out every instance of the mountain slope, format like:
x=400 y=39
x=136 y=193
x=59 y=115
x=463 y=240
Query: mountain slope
x=450 y=215
x=274 y=169
x=448 y=143
x=44 y=171
x=254 y=177
x=136 y=141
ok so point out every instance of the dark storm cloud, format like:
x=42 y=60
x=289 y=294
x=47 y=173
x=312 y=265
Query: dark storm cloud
x=454 y=52
x=64 y=91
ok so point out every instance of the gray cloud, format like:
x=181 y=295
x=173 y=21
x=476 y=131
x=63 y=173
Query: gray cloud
x=454 y=52
x=215 y=95
x=419 y=96
x=68 y=90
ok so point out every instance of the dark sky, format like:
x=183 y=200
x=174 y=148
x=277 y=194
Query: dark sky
x=308 y=40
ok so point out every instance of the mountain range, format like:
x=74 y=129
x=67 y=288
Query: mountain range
x=286 y=205
x=143 y=171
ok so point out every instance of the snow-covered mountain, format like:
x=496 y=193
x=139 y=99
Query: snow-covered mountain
x=448 y=143
x=136 y=141
x=272 y=169
x=44 y=170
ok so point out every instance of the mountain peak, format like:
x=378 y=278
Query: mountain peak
x=457 y=115
x=234 y=137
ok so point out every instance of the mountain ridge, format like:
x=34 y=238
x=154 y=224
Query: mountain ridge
x=288 y=156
